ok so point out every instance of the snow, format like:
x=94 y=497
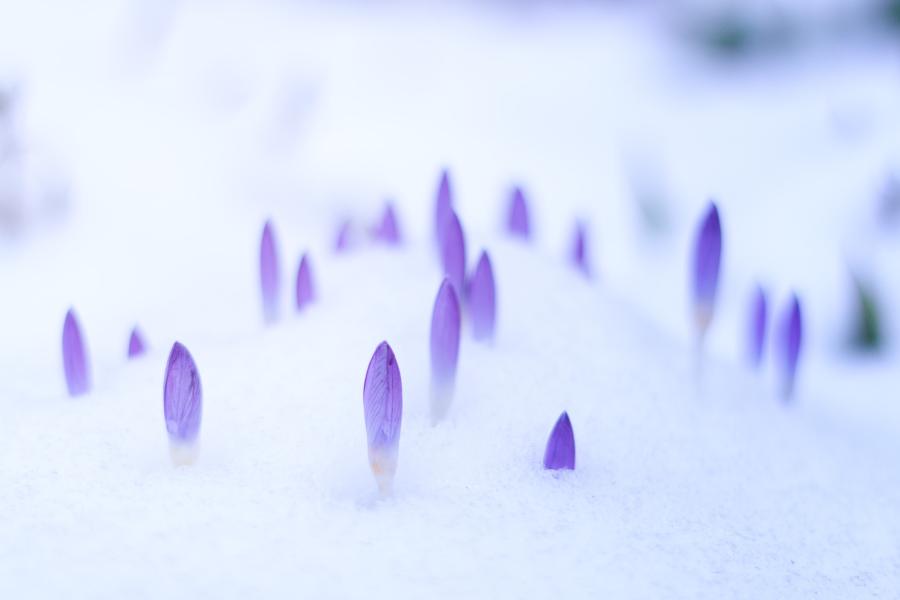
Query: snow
x=690 y=481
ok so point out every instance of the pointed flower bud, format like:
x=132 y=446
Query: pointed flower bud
x=445 y=324
x=443 y=206
x=707 y=254
x=182 y=404
x=342 y=242
x=388 y=231
x=453 y=252
x=791 y=340
x=268 y=273
x=75 y=360
x=305 y=289
x=481 y=299
x=136 y=345
x=579 y=249
x=560 y=453
x=383 y=410
x=517 y=222
x=757 y=332
x=867 y=331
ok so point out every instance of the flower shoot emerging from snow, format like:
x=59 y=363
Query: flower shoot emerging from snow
x=443 y=207
x=707 y=254
x=790 y=341
x=453 y=253
x=579 y=249
x=268 y=273
x=757 y=326
x=560 y=453
x=182 y=404
x=388 y=231
x=445 y=324
x=482 y=303
x=342 y=241
x=517 y=222
x=75 y=361
x=383 y=410
x=305 y=290
x=136 y=345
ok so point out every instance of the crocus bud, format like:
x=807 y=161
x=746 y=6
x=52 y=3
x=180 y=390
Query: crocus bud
x=757 y=329
x=388 y=231
x=579 y=250
x=305 y=289
x=517 y=222
x=560 y=453
x=482 y=303
x=342 y=241
x=453 y=253
x=445 y=323
x=707 y=253
x=182 y=405
x=790 y=342
x=383 y=410
x=268 y=273
x=443 y=206
x=75 y=360
x=136 y=345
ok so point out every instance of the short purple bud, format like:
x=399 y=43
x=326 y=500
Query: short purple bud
x=707 y=254
x=790 y=342
x=453 y=253
x=383 y=410
x=342 y=241
x=443 y=206
x=136 y=345
x=757 y=326
x=268 y=273
x=560 y=453
x=482 y=302
x=445 y=325
x=579 y=250
x=388 y=231
x=75 y=360
x=305 y=289
x=182 y=404
x=517 y=222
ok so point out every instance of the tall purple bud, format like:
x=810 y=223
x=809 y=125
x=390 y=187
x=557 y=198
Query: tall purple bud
x=75 y=360
x=305 y=290
x=443 y=206
x=383 y=410
x=482 y=302
x=517 y=222
x=388 y=231
x=136 y=345
x=445 y=324
x=579 y=250
x=453 y=253
x=790 y=343
x=268 y=273
x=182 y=404
x=707 y=254
x=757 y=326
x=560 y=452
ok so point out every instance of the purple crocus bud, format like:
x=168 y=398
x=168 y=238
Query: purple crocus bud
x=560 y=453
x=388 y=231
x=707 y=253
x=75 y=361
x=791 y=341
x=517 y=223
x=182 y=404
x=579 y=250
x=445 y=323
x=305 y=290
x=342 y=241
x=443 y=206
x=453 y=252
x=383 y=409
x=482 y=303
x=268 y=273
x=757 y=333
x=136 y=345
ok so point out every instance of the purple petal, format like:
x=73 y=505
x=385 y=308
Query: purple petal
x=383 y=410
x=481 y=299
x=342 y=242
x=757 y=333
x=268 y=273
x=560 y=453
x=75 y=362
x=445 y=324
x=388 y=231
x=305 y=290
x=182 y=397
x=136 y=345
x=518 y=224
x=579 y=250
x=443 y=207
x=707 y=254
x=791 y=342
x=453 y=252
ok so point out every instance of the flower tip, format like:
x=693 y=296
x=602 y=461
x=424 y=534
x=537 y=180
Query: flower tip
x=388 y=231
x=304 y=290
x=707 y=258
x=757 y=327
x=482 y=299
x=75 y=362
x=268 y=273
x=453 y=252
x=579 y=250
x=791 y=344
x=136 y=345
x=182 y=397
x=518 y=221
x=560 y=452
x=383 y=412
x=445 y=330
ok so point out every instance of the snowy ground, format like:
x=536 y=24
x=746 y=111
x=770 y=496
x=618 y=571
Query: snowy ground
x=178 y=140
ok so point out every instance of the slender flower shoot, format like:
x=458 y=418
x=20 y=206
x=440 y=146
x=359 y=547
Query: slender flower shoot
x=268 y=274
x=388 y=231
x=443 y=206
x=707 y=254
x=383 y=410
x=791 y=342
x=342 y=241
x=453 y=253
x=445 y=324
x=136 y=345
x=75 y=360
x=482 y=301
x=560 y=452
x=182 y=405
x=757 y=328
x=305 y=291
x=579 y=250
x=518 y=223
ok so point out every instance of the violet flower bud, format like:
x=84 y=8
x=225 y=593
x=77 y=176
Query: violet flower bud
x=560 y=453
x=791 y=341
x=453 y=253
x=517 y=222
x=383 y=410
x=305 y=290
x=707 y=254
x=482 y=302
x=388 y=231
x=75 y=359
x=342 y=241
x=182 y=404
x=757 y=330
x=445 y=324
x=443 y=206
x=136 y=345
x=579 y=250
x=268 y=273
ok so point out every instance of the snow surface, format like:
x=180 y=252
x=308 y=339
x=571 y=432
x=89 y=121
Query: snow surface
x=179 y=138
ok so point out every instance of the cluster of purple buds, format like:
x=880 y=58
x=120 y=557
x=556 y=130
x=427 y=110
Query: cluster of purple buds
x=182 y=405
x=707 y=256
x=445 y=328
x=75 y=358
x=383 y=411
